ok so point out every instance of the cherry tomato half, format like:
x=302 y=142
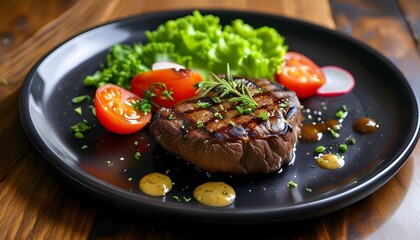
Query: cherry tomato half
x=178 y=83
x=301 y=75
x=115 y=110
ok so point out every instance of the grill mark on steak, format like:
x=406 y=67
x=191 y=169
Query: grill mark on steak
x=219 y=139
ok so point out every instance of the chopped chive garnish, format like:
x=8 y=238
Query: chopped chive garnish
x=342 y=148
x=216 y=100
x=334 y=133
x=218 y=115
x=284 y=104
x=203 y=104
x=291 y=184
x=319 y=149
x=263 y=115
x=342 y=113
x=80 y=99
x=78 y=135
x=79 y=128
x=78 y=110
x=239 y=109
x=247 y=111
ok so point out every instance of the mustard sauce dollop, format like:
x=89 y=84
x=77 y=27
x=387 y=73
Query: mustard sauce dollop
x=216 y=194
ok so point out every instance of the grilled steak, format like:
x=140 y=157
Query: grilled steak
x=216 y=137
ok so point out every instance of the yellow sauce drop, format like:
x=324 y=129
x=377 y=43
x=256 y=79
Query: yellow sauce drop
x=216 y=194
x=330 y=161
x=155 y=184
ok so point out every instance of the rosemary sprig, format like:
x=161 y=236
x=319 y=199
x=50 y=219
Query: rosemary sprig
x=224 y=87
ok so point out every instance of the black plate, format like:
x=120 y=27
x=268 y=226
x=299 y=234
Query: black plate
x=106 y=167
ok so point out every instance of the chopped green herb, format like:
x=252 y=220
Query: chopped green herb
x=352 y=141
x=79 y=135
x=136 y=143
x=130 y=179
x=247 y=111
x=81 y=98
x=145 y=105
x=186 y=199
x=94 y=111
x=342 y=113
x=292 y=184
x=263 y=115
x=79 y=128
x=137 y=156
x=203 y=104
x=218 y=115
x=176 y=198
x=165 y=92
x=216 y=100
x=232 y=123
x=334 y=134
x=319 y=149
x=200 y=124
x=84 y=146
x=221 y=107
x=167 y=171
x=239 y=109
x=308 y=189
x=78 y=110
x=171 y=116
x=284 y=104
x=342 y=148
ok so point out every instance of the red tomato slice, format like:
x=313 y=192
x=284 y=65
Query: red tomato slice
x=178 y=82
x=115 y=111
x=301 y=75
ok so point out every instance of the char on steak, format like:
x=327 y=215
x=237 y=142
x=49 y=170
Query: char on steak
x=218 y=138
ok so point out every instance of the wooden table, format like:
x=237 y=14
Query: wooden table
x=36 y=204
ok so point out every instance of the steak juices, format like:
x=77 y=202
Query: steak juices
x=218 y=132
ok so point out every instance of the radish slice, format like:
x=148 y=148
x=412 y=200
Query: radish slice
x=166 y=65
x=338 y=82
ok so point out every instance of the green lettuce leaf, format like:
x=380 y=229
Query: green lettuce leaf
x=201 y=43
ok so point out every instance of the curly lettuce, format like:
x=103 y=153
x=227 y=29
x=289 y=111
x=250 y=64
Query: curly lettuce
x=199 y=42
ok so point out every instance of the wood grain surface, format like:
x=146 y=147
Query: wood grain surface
x=37 y=204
